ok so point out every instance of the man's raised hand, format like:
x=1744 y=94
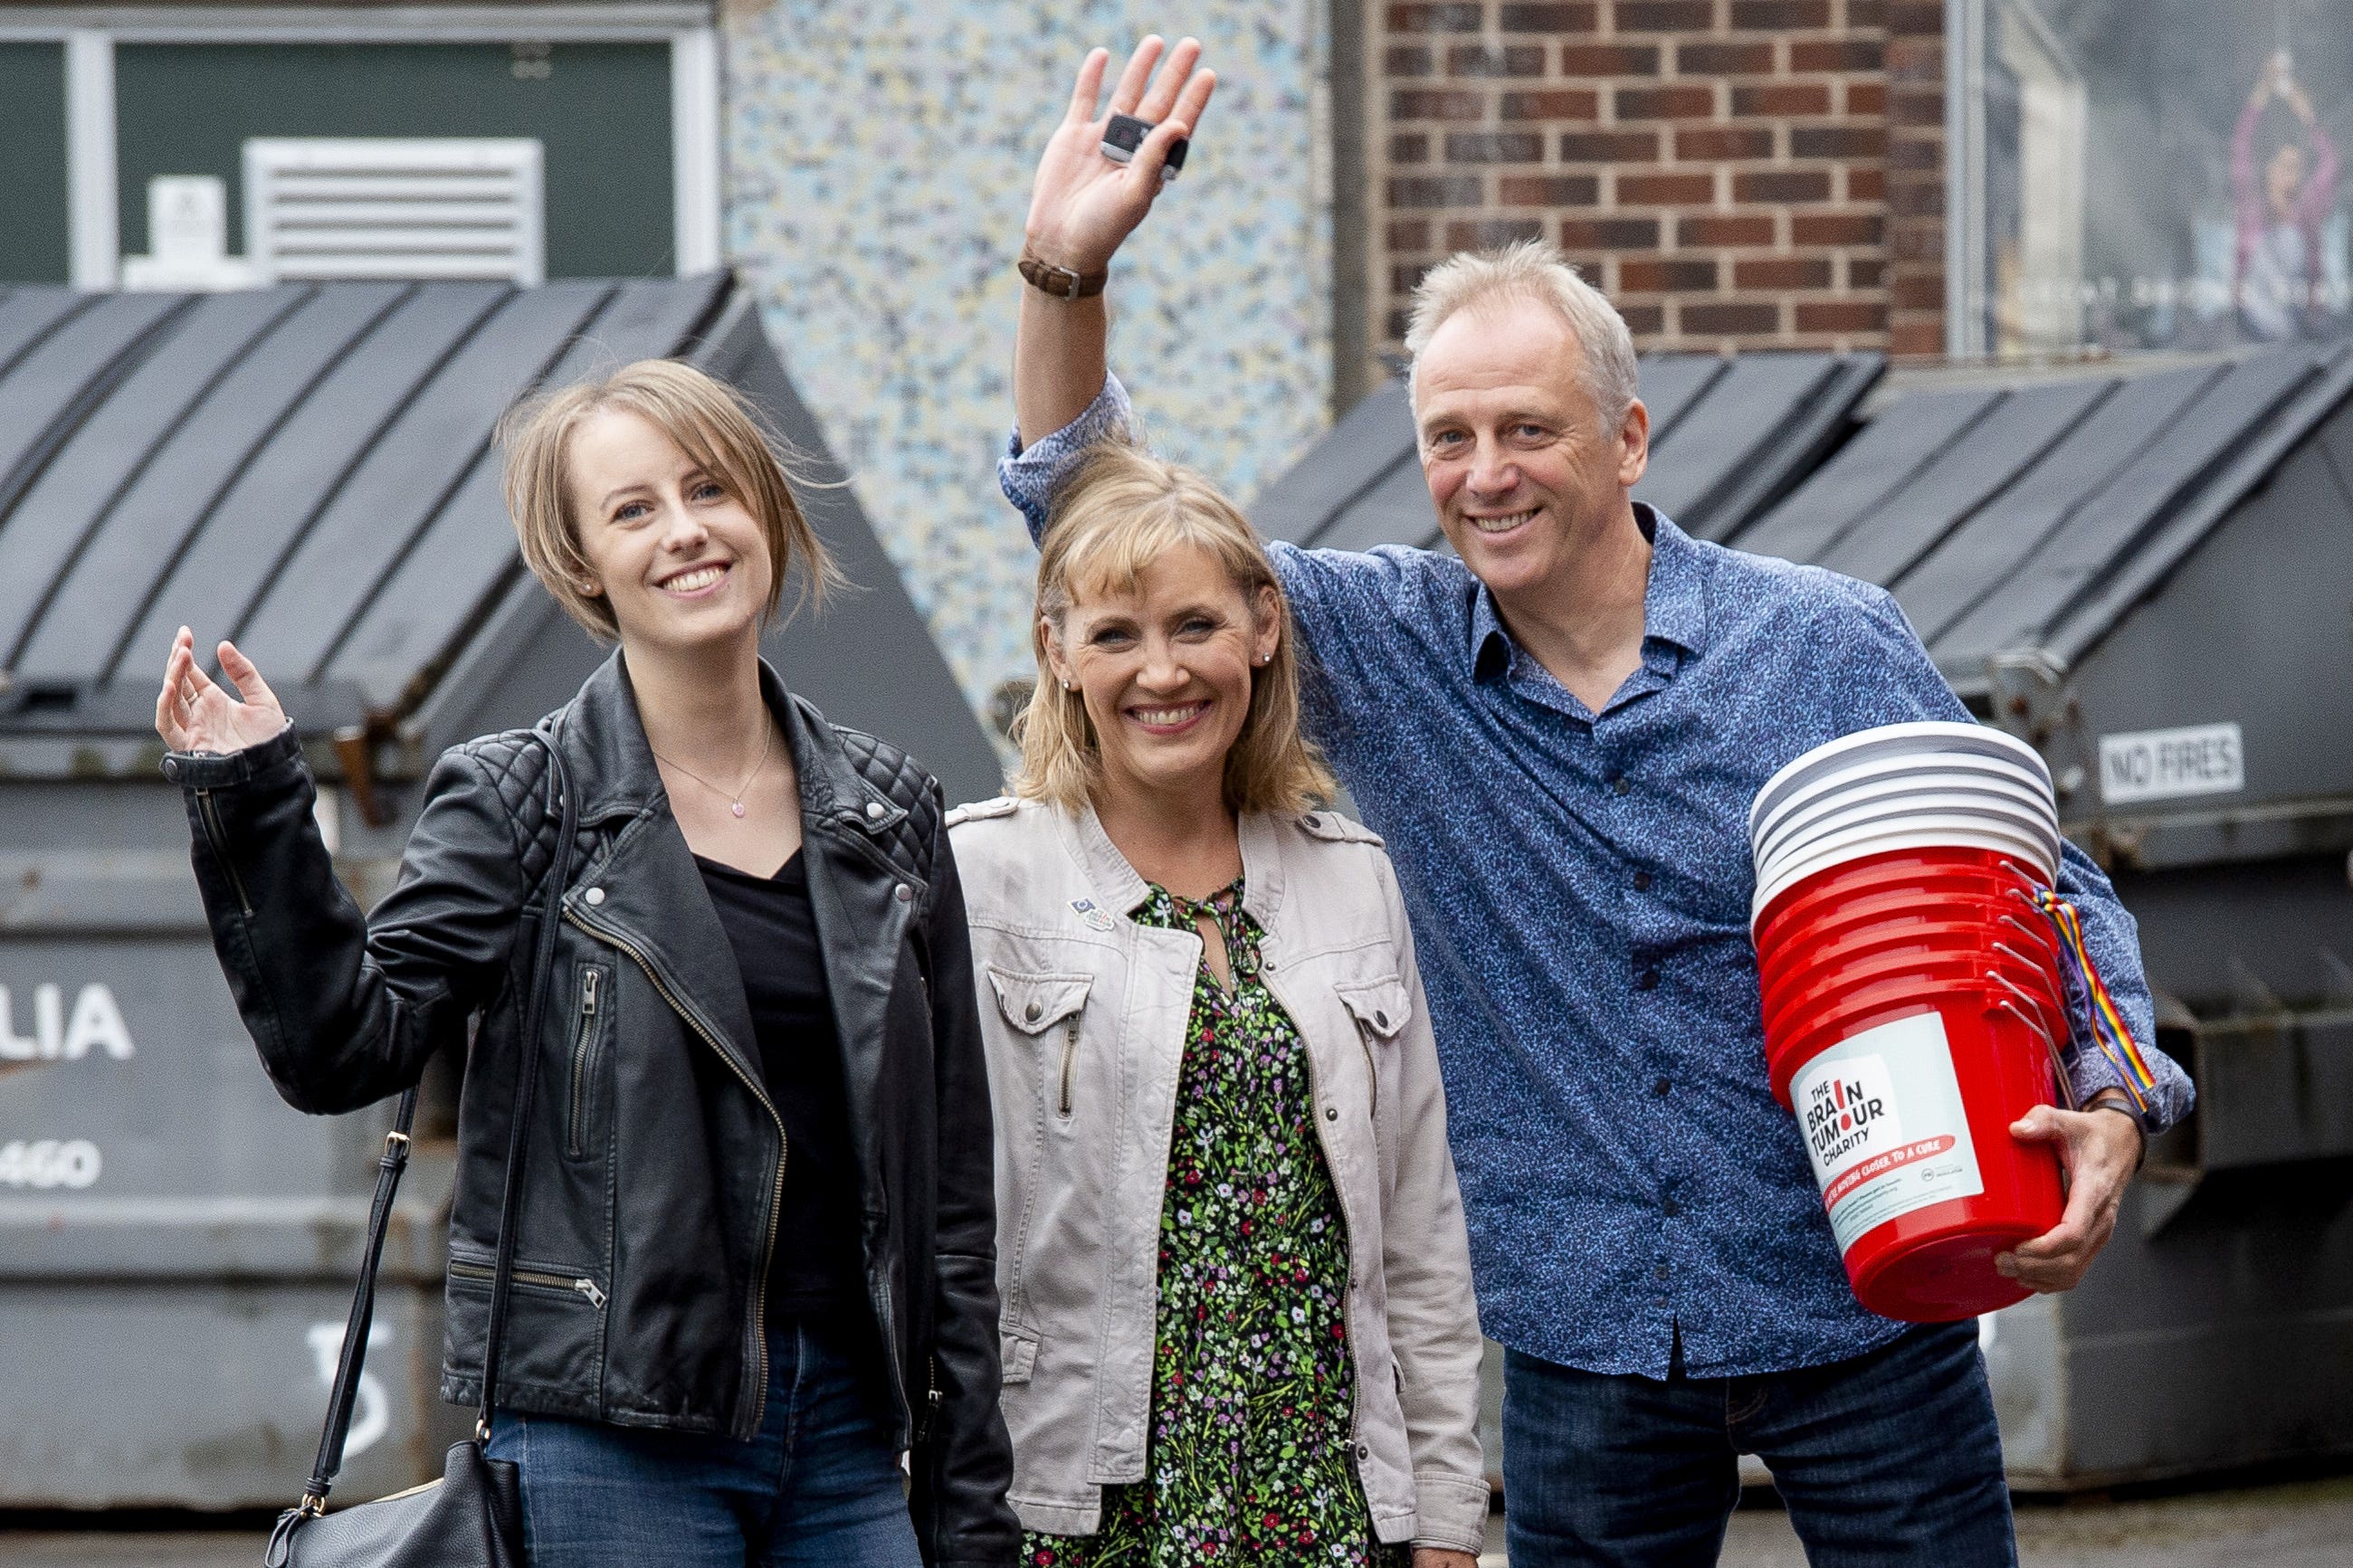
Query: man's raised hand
x=194 y=713
x=1083 y=204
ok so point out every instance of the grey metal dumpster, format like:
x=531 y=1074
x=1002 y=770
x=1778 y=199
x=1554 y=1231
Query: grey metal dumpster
x=1729 y=436
x=2150 y=576
x=306 y=469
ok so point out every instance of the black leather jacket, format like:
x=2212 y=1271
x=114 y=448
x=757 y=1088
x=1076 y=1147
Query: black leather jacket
x=655 y=1162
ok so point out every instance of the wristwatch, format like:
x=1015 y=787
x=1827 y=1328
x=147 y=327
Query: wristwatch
x=1062 y=282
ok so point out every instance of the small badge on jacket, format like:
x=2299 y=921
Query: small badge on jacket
x=1097 y=919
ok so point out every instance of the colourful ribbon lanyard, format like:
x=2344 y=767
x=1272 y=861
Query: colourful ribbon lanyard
x=2107 y=1025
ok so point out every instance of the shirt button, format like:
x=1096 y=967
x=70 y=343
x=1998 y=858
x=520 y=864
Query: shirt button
x=1620 y=784
x=1661 y=1087
x=1647 y=981
x=596 y=895
x=1661 y=1273
x=1642 y=881
x=1669 y=1208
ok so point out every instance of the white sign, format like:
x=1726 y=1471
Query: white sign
x=2161 y=764
x=96 y=1021
x=1885 y=1126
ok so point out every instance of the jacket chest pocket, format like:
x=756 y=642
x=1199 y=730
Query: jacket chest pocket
x=1381 y=1009
x=1046 y=1008
x=591 y=1026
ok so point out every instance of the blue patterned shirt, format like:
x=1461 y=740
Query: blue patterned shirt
x=1578 y=885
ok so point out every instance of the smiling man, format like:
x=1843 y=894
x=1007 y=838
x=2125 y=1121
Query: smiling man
x=1559 y=733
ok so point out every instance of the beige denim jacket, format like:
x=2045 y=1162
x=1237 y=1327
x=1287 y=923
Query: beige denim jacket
x=1084 y=1012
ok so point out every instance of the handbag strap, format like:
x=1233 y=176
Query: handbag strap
x=395 y=1159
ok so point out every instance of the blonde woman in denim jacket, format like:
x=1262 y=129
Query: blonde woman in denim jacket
x=1237 y=1312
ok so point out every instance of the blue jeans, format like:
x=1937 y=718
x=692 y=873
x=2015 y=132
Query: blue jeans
x=820 y=1484
x=1888 y=1460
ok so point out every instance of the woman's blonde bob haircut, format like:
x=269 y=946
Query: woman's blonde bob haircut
x=1123 y=510
x=711 y=423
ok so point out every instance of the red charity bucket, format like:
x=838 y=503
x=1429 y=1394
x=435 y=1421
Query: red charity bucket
x=1905 y=1056
x=1892 y=912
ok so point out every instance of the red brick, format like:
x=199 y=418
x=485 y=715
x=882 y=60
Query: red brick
x=1725 y=60
x=1666 y=275
x=1553 y=18
x=1410 y=234
x=1665 y=16
x=1920 y=340
x=1916 y=18
x=1780 y=16
x=1867 y=272
x=1782 y=272
x=1406 y=276
x=1555 y=103
x=1511 y=59
x=1866 y=184
x=1489 y=233
x=1781 y=185
x=1435 y=191
x=1866 y=97
x=1730 y=316
x=1495 y=147
x=1835 y=228
x=1837 y=140
x=1918 y=241
x=1916 y=62
x=1666 y=190
x=1698 y=142
x=1917 y=107
x=1686 y=101
x=1841 y=316
x=1408 y=59
x=1869 y=12
x=1437 y=103
x=1835 y=55
x=1608 y=146
x=1459 y=16
x=1609 y=233
x=1725 y=228
x=1781 y=97
x=1916 y=198
x=1410 y=147
x=1644 y=321
x=1915 y=291
x=1923 y=154
x=1610 y=59
x=1547 y=190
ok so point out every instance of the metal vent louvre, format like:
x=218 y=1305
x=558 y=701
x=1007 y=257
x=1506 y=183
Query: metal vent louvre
x=358 y=207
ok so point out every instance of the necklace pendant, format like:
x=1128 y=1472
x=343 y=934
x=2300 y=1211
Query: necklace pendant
x=738 y=806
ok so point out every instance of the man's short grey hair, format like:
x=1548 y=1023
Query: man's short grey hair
x=1535 y=271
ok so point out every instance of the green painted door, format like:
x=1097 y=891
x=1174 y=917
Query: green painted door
x=602 y=111
x=32 y=235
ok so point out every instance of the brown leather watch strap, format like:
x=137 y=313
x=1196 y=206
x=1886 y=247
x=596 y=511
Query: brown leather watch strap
x=1062 y=282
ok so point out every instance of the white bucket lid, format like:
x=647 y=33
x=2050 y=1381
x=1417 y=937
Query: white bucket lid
x=1896 y=813
x=1925 y=738
x=1871 y=780
x=1988 y=835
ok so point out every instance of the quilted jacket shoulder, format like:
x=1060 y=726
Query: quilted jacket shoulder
x=905 y=783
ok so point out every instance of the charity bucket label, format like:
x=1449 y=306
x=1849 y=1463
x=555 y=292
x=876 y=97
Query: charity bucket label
x=1884 y=1125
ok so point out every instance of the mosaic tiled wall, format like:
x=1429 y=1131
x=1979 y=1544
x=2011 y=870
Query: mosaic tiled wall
x=879 y=157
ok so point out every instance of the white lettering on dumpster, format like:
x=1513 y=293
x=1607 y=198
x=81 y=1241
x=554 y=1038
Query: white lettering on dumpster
x=2161 y=764
x=371 y=1411
x=45 y=1162
x=95 y=1021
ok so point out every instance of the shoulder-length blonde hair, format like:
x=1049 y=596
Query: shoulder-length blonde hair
x=1122 y=511
x=711 y=423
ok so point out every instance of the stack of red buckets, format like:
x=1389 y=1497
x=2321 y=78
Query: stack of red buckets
x=1913 y=1002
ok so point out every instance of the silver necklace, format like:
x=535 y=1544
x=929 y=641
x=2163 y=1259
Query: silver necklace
x=735 y=795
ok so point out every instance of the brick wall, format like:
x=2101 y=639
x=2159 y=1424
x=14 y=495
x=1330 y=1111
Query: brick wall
x=1733 y=173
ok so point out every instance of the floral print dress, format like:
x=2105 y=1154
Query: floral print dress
x=1252 y=1390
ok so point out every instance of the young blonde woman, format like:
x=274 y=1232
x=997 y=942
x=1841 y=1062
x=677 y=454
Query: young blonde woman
x=1238 y=1315
x=755 y=1237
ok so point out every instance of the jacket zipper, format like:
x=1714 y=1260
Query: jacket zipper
x=1372 y=1070
x=219 y=840
x=929 y=1421
x=1069 y=1053
x=583 y=1050
x=775 y=1199
x=582 y=1286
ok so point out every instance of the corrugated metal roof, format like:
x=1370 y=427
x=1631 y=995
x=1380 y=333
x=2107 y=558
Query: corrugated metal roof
x=2031 y=517
x=1728 y=436
x=309 y=469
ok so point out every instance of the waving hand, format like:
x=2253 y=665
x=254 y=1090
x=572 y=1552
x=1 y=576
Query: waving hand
x=1083 y=204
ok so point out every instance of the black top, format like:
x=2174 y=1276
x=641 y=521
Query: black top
x=769 y=923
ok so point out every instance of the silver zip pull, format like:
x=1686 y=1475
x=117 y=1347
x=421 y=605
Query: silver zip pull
x=1070 y=1051
x=588 y=1288
x=588 y=994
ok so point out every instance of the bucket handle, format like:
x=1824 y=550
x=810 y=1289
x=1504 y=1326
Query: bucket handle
x=2031 y=878
x=2027 y=1015
x=2022 y=928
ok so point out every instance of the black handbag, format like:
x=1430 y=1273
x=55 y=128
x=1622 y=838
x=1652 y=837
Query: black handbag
x=472 y=1516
